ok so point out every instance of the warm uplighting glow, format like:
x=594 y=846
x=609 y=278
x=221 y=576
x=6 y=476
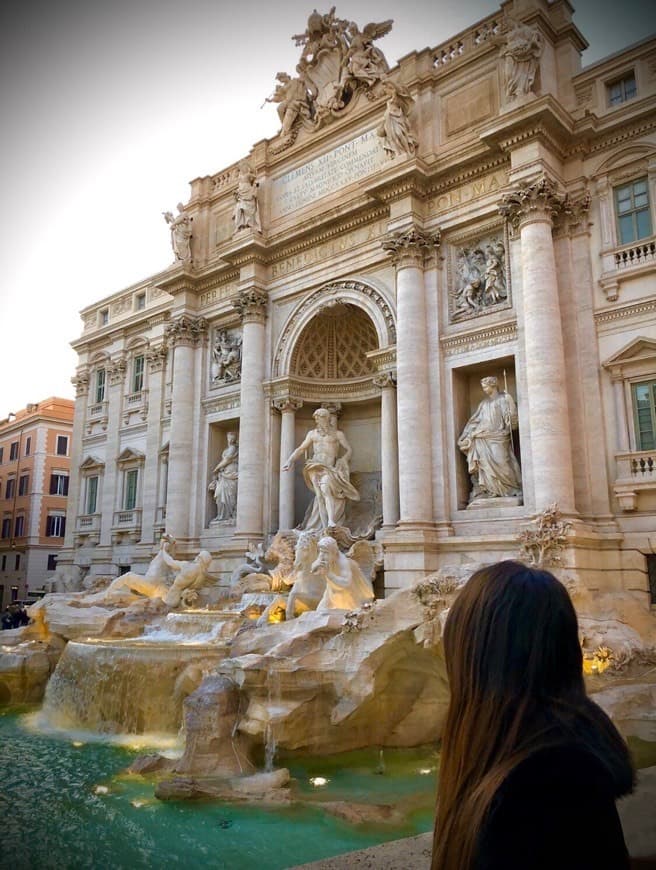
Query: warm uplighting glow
x=136 y=802
x=597 y=663
x=319 y=780
x=77 y=744
x=101 y=789
x=425 y=771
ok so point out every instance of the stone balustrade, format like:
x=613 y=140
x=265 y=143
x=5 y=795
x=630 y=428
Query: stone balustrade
x=635 y=473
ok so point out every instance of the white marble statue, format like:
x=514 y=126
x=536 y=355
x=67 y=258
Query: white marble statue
x=247 y=213
x=487 y=443
x=365 y=62
x=189 y=576
x=395 y=130
x=308 y=587
x=522 y=52
x=326 y=473
x=155 y=583
x=224 y=483
x=180 y=226
x=291 y=95
x=346 y=586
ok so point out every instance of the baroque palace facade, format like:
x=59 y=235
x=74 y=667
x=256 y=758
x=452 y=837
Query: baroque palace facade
x=483 y=210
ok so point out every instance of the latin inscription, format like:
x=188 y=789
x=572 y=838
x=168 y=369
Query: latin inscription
x=330 y=172
x=216 y=295
x=344 y=242
x=461 y=195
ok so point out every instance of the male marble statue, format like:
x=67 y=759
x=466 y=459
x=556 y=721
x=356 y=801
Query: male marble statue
x=486 y=441
x=326 y=473
x=346 y=586
x=155 y=583
x=224 y=483
x=188 y=576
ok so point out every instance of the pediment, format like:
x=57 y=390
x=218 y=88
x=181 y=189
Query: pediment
x=638 y=350
x=130 y=455
x=92 y=463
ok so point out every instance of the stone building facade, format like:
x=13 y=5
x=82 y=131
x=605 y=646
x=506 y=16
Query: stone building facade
x=483 y=209
x=35 y=451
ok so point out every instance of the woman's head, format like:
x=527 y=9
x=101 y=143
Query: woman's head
x=512 y=633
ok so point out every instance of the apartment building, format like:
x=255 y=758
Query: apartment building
x=35 y=447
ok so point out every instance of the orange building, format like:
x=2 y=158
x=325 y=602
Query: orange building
x=35 y=446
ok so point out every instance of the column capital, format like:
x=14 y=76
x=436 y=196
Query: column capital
x=81 y=382
x=187 y=331
x=385 y=380
x=572 y=219
x=410 y=247
x=536 y=201
x=251 y=305
x=287 y=404
x=116 y=370
x=156 y=357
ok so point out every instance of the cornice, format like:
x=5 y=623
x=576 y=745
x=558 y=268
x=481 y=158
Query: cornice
x=543 y=118
x=407 y=179
x=636 y=309
x=307 y=389
x=463 y=176
x=479 y=338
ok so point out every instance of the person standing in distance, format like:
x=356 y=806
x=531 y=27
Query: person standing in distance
x=530 y=766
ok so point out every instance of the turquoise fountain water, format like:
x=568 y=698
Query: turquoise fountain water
x=66 y=802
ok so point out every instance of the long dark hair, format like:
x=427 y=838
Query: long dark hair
x=515 y=669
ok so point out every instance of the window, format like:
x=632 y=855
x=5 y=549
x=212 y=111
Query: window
x=101 y=377
x=91 y=500
x=23 y=484
x=13 y=451
x=11 y=487
x=644 y=409
x=622 y=90
x=55 y=526
x=17 y=562
x=62 y=445
x=6 y=527
x=140 y=301
x=138 y=373
x=103 y=316
x=2 y=453
x=14 y=593
x=28 y=445
x=19 y=526
x=632 y=209
x=52 y=562
x=58 y=484
x=130 y=493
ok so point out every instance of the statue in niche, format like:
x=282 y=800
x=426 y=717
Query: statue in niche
x=481 y=279
x=293 y=101
x=395 y=131
x=223 y=485
x=487 y=443
x=522 y=52
x=180 y=226
x=226 y=357
x=247 y=213
x=326 y=473
x=365 y=62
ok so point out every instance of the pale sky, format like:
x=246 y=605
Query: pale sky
x=110 y=107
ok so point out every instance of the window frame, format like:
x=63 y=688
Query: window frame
x=59 y=483
x=138 y=373
x=13 y=451
x=634 y=212
x=55 y=525
x=24 y=484
x=100 y=386
x=88 y=487
x=19 y=526
x=59 y=439
x=10 y=487
x=624 y=97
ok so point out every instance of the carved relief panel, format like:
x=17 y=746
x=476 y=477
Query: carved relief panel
x=225 y=363
x=478 y=274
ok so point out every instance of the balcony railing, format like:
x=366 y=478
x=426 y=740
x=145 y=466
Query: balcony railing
x=636 y=255
x=88 y=523
x=127 y=519
x=636 y=473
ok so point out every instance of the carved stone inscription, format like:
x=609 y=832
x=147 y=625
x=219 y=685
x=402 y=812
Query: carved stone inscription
x=331 y=248
x=341 y=166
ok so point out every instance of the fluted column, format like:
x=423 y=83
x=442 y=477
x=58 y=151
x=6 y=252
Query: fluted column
x=156 y=358
x=185 y=335
x=251 y=306
x=111 y=482
x=81 y=383
x=530 y=210
x=389 y=457
x=286 y=506
x=408 y=249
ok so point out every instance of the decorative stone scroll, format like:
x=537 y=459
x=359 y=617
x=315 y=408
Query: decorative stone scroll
x=186 y=330
x=251 y=305
x=116 y=370
x=385 y=380
x=156 y=357
x=81 y=383
x=225 y=367
x=531 y=201
x=411 y=246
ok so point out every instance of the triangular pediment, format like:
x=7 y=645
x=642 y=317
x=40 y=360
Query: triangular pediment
x=637 y=350
x=92 y=463
x=130 y=455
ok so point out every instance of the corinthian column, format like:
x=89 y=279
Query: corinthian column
x=389 y=457
x=408 y=250
x=156 y=358
x=530 y=210
x=251 y=306
x=185 y=335
x=81 y=383
x=288 y=408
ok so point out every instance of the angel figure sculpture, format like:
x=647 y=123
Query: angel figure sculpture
x=365 y=62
